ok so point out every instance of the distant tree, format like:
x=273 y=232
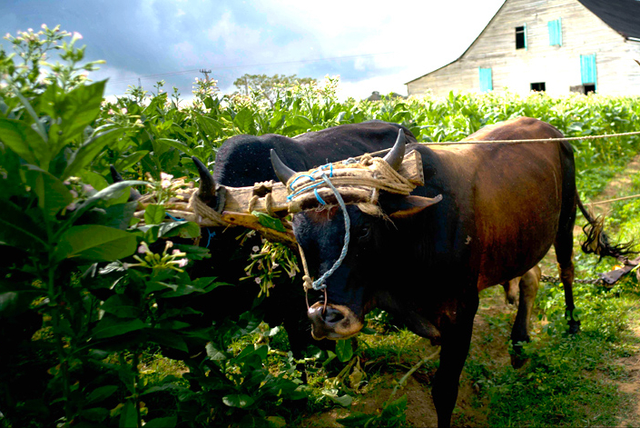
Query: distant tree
x=269 y=86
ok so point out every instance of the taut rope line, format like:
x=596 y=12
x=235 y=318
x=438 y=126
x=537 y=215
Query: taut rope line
x=542 y=140
x=538 y=140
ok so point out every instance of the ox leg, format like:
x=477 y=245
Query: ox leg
x=528 y=285
x=454 y=349
x=564 y=255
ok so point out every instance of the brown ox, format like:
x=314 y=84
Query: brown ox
x=425 y=260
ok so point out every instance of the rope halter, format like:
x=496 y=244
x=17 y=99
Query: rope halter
x=343 y=183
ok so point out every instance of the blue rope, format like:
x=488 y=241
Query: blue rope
x=174 y=218
x=310 y=176
x=211 y=235
x=319 y=283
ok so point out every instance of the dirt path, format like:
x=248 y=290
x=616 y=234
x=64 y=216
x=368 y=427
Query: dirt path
x=615 y=187
x=631 y=384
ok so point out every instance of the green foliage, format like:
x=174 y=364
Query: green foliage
x=392 y=415
x=268 y=88
x=86 y=293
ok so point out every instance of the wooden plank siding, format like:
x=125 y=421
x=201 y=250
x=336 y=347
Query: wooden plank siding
x=583 y=33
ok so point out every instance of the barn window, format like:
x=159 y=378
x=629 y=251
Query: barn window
x=588 y=71
x=555 y=32
x=539 y=87
x=521 y=37
x=486 y=80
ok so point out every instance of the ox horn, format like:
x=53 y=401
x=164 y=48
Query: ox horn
x=207 y=184
x=283 y=172
x=396 y=155
x=134 y=195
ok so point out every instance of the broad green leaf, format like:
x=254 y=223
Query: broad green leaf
x=89 y=150
x=270 y=222
x=344 y=400
x=95 y=414
x=18 y=229
x=154 y=214
x=169 y=422
x=238 y=400
x=126 y=162
x=113 y=193
x=159 y=148
x=95 y=243
x=344 y=351
x=117 y=216
x=121 y=306
x=78 y=109
x=244 y=121
x=215 y=354
x=52 y=194
x=24 y=141
x=277 y=120
x=129 y=415
x=182 y=290
x=110 y=326
x=210 y=126
x=301 y=122
x=94 y=179
x=167 y=339
x=250 y=351
x=178 y=145
x=183 y=229
x=101 y=393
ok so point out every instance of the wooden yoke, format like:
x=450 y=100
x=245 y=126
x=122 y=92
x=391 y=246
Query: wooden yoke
x=241 y=204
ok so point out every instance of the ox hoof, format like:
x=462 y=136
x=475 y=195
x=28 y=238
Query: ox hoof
x=574 y=327
x=518 y=360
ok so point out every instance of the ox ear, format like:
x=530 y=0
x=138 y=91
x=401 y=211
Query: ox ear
x=408 y=206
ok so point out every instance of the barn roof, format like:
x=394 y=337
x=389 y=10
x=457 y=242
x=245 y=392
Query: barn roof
x=621 y=15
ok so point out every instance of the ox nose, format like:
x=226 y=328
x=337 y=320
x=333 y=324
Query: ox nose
x=329 y=317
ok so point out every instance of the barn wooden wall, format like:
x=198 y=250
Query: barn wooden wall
x=514 y=69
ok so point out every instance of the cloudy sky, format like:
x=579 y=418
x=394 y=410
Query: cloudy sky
x=371 y=45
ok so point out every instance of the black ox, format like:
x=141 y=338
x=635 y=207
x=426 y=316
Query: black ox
x=503 y=206
x=242 y=161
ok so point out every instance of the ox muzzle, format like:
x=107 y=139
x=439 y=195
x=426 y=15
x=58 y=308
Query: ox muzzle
x=333 y=322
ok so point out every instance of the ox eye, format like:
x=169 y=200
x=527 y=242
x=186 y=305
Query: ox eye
x=365 y=232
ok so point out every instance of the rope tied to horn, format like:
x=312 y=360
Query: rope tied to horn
x=357 y=181
x=204 y=214
x=348 y=182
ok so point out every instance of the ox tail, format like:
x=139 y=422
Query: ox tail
x=597 y=242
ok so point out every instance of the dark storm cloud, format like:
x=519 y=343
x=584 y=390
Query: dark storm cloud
x=172 y=40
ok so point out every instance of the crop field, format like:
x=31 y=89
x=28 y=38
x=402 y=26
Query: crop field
x=92 y=335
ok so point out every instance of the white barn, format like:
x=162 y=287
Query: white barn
x=557 y=46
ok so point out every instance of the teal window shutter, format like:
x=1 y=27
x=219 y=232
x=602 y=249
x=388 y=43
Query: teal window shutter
x=486 y=81
x=526 y=46
x=555 y=32
x=588 y=69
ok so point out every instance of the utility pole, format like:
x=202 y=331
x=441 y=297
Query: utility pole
x=206 y=73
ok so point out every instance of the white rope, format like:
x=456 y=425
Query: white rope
x=534 y=140
x=542 y=140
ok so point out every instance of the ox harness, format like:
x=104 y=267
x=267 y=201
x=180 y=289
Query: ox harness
x=357 y=181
